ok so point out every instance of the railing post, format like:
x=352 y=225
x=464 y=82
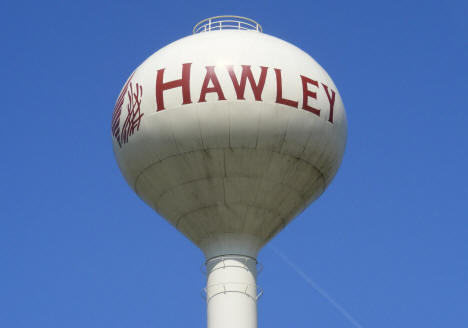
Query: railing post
x=216 y=23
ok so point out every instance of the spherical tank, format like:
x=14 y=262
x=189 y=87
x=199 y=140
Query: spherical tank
x=229 y=135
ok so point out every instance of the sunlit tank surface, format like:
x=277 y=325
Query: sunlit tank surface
x=229 y=134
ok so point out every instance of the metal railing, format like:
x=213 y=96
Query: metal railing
x=227 y=22
x=240 y=258
x=255 y=292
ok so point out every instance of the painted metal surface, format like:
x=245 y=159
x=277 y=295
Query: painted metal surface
x=234 y=166
x=231 y=292
x=229 y=135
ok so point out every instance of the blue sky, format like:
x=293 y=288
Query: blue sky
x=387 y=241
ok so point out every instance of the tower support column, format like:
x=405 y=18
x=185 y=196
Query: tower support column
x=231 y=291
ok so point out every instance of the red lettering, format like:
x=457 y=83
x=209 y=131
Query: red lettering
x=331 y=100
x=257 y=89
x=306 y=93
x=279 y=91
x=211 y=76
x=184 y=82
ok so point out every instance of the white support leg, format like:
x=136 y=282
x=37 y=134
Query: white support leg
x=231 y=292
x=231 y=289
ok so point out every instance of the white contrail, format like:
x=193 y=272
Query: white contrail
x=315 y=286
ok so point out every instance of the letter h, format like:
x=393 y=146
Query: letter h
x=184 y=82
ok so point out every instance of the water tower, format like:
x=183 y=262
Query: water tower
x=229 y=134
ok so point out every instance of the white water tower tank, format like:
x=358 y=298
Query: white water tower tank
x=229 y=134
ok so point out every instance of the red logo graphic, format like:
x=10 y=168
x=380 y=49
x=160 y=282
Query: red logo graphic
x=132 y=121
